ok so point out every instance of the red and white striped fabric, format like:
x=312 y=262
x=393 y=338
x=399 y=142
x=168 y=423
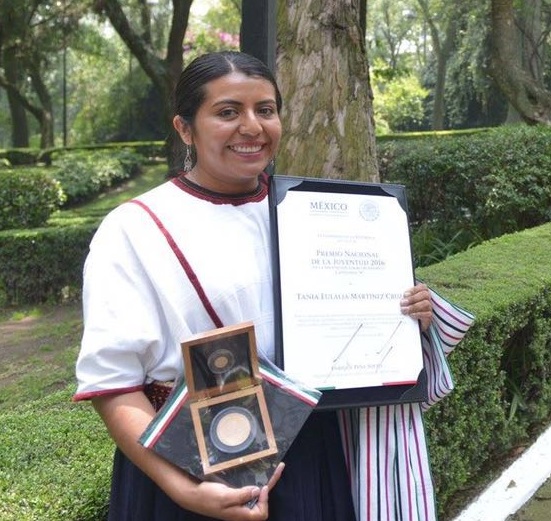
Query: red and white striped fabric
x=385 y=446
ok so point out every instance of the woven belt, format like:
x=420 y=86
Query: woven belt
x=157 y=393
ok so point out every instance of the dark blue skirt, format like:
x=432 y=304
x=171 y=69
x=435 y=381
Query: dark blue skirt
x=314 y=485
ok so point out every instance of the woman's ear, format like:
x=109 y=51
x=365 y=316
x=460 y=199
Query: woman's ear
x=183 y=128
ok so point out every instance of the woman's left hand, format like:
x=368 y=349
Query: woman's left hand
x=417 y=304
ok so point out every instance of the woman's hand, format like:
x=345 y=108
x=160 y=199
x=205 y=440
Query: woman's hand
x=229 y=504
x=417 y=304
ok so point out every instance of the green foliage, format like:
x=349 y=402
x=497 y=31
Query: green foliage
x=43 y=264
x=226 y=16
x=472 y=187
x=217 y=30
x=394 y=35
x=55 y=462
x=471 y=96
x=85 y=174
x=429 y=248
x=148 y=150
x=501 y=369
x=115 y=101
x=27 y=198
x=398 y=101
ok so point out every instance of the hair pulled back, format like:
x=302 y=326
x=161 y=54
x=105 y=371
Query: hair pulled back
x=190 y=90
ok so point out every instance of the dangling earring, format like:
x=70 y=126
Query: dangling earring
x=188 y=163
x=270 y=168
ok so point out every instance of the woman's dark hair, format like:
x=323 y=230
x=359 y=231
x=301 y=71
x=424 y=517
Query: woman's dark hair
x=190 y=91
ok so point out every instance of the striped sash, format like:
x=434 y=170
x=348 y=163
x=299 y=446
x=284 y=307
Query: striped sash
x=385 y=447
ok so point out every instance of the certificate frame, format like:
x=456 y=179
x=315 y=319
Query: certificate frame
x=292 y=224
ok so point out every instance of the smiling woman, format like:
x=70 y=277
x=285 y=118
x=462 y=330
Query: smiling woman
x=190 y=255
x=235 y=132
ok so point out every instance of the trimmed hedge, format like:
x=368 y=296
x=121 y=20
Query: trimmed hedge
x=33 y=156
x=463 y=189
x=28 y=197
x=502 y=369
x=55 y=462
x=85 y=174
x=20 y=156
x=43 y=264
x=146 y=149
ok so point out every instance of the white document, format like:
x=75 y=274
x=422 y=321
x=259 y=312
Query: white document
x=345 y=262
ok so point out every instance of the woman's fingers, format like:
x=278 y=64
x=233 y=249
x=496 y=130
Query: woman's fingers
x=417 y=304
x=276 y=475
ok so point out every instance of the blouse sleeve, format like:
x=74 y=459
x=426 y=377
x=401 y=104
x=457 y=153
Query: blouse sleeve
x=449 y=326
x=123 y=329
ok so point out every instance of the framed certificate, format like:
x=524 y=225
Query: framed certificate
x=342 y=261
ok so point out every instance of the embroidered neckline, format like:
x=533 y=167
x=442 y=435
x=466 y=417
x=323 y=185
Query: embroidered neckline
x=194 y=189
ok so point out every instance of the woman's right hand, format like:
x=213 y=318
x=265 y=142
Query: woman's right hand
x=128 y=415
x=229 y=504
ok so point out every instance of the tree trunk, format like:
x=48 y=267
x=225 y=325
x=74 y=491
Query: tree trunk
x=324 y=78
x=445 y=50
x=46 y=115
x=533 y=38
x=442 y=50
x=43 y=113
x=526 y=94
x=19 y=123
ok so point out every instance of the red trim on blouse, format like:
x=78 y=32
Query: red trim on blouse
x=184 y=263
x=79 y=397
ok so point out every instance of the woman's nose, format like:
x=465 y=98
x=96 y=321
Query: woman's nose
x=250 y=125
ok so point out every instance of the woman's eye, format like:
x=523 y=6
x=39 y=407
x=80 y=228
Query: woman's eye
x=227 y=113
x=266 y=111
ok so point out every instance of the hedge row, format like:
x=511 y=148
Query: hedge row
x=55 y=462
x=463 y=189
x=43 y=264
x=33 y=156
x=30 y=195
x=27 y=198
x=86 y=174
x=502 y=369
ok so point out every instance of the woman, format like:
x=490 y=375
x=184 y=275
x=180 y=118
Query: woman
x=190 y=255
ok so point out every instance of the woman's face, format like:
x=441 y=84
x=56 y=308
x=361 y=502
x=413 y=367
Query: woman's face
x=235 y=133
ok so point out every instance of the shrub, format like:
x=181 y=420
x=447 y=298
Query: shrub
x=55 y=462
x=146 y=149
x=44 y=264
x=473 y=187
x=398 y=100
x=20 y=156
x=27 y=198
x=501 y=369
x=85 y=174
